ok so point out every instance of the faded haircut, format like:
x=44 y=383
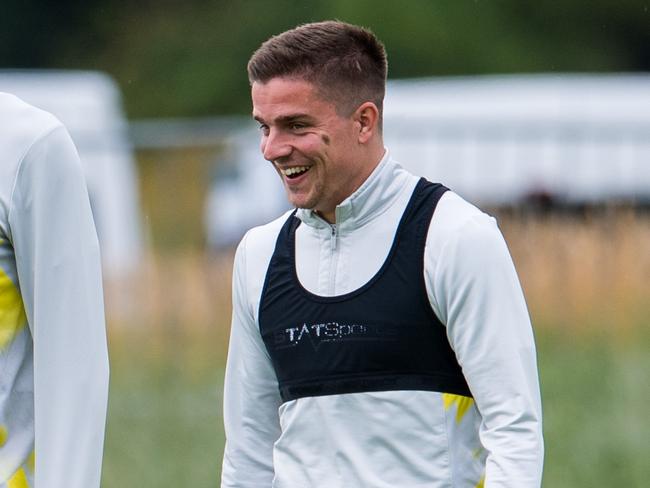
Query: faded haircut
x=346 y=63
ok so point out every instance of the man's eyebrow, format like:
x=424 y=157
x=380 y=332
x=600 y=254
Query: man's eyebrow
x=292 y=117
x=286 y=119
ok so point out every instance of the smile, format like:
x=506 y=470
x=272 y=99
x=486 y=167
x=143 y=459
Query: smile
x=295 y=171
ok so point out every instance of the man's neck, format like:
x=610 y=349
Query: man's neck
x=330 y=215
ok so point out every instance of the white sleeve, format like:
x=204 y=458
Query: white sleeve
x=475 y=291
x=251 y=395
x=58 y=263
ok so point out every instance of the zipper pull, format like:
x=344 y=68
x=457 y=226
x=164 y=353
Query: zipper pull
x=333 y=237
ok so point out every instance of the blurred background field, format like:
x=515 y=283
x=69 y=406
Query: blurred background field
x=180 y=67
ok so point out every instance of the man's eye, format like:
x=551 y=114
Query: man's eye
x=297 y=126
x=264 y=129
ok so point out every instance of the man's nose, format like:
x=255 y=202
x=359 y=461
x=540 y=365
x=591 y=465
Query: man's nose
x=275 y=145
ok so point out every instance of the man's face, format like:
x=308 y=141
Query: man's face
x=312 y=147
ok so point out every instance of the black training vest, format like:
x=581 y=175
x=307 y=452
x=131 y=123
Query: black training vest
x=383 y=336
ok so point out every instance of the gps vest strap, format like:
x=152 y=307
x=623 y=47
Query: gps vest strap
x=383 y=336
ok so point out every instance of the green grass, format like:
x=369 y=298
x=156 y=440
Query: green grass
x=165 y=427
x=164 y=419
x=596 y=393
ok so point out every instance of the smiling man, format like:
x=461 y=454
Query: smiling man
x=380 y=337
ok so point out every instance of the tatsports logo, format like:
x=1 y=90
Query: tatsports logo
x=318 y=334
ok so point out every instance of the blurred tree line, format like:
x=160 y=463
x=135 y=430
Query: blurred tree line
x=188 y=58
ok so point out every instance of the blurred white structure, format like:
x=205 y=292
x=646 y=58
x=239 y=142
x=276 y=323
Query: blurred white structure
x=495 y=140
x=500 y=139
x=246 y=191
x=89 y=105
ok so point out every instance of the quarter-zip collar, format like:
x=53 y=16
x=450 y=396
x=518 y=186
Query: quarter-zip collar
x=369 y=201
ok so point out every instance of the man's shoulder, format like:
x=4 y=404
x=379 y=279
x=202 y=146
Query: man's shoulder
x=260 y=240
x=455 y=217
x=454 y=211
x=21 y=126
x=21 y=122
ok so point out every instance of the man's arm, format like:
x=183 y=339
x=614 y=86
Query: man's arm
x=477 y=294
x=58 y=262
x=251 y=395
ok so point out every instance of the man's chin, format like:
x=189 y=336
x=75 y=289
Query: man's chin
x=298 y=202
x=302 y=206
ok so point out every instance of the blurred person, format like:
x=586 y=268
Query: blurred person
x=53 y=353
x=380 y=336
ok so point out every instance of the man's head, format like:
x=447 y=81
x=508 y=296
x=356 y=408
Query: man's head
x=317 y=93
x=345 y=62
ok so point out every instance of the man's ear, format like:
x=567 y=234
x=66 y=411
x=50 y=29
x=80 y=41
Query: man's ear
x=367 y=118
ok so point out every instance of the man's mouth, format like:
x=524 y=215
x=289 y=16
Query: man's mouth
x=294 y=172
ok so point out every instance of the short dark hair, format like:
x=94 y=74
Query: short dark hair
x=346 y=62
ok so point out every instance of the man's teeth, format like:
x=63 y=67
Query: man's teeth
x=295 y=170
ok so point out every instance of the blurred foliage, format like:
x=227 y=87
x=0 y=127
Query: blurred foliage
x=595 y=393
x=188 y=58
x=173 y=188
x=164 y=426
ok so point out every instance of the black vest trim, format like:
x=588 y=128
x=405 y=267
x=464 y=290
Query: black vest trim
x=383 y=336
x=385 y=382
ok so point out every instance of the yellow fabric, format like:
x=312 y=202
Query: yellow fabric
x=3 y=435
x=12 y=311
x=462 y=404
x=31 y=462
x=18 y=480
x=481 y=484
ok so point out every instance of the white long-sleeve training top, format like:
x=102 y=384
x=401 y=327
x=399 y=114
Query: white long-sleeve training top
x=403 y=439
x=53 y=353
